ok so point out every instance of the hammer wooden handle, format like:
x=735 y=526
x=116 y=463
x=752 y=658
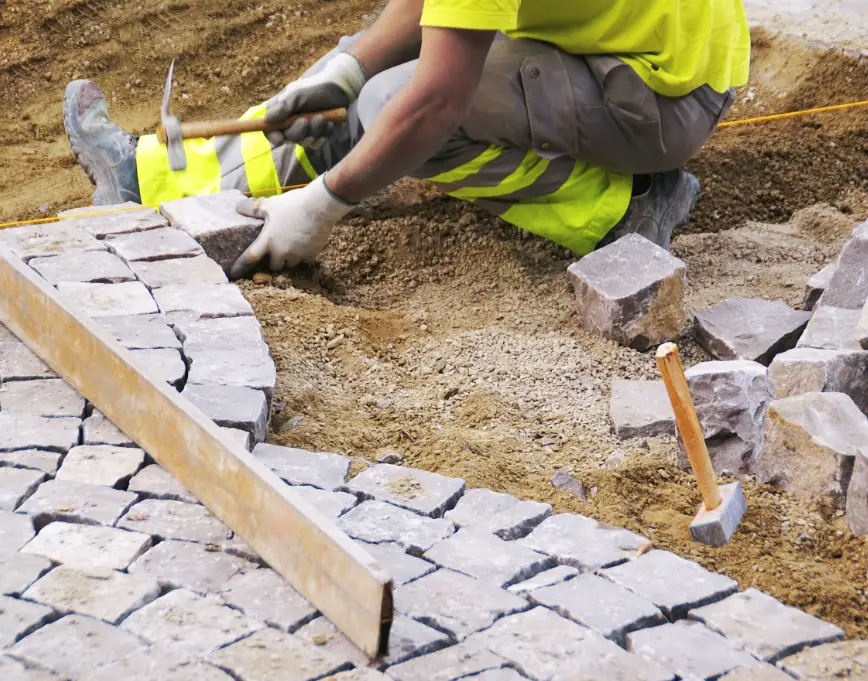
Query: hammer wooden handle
x=207 y=129
x=669 y=363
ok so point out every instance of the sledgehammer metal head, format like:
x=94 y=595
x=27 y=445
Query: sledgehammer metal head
x=722 y=507
x=172 y=127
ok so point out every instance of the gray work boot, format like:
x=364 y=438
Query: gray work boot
x=656 y=213
x=105 y=152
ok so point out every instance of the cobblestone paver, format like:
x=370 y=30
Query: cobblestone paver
x=110 y=569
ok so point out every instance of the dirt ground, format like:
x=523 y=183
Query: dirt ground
x=436 y=333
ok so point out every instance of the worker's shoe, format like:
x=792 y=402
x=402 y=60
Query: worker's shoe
x=656 y=213
x=105 y=152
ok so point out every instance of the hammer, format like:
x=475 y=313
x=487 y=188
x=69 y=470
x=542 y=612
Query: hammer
x=724 y=506
x=172 y=132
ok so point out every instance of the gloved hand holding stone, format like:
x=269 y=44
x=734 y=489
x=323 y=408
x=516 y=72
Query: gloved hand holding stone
x=297 y=226
x=336 y=85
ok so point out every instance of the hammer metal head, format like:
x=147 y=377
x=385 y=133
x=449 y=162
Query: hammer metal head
x=715 y=528
x=174 y=138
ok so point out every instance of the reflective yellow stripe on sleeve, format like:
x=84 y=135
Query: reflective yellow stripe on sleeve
x=258 y=162
x=158 y=183
x=472 y=167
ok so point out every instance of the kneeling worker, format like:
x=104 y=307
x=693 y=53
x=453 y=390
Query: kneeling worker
x=569 y=119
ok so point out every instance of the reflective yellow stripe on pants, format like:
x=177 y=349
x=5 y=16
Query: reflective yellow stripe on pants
x=212 y=165
x=565 y=200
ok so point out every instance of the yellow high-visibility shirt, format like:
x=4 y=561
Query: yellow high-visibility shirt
x=674 y=45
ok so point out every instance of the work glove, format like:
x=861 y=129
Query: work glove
x=336 y=85
x=297 y=226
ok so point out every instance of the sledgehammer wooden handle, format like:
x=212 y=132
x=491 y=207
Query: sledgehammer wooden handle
x=207 y=129
x=669 y=363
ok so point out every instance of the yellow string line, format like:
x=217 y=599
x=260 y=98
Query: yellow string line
x=730 y=124
x=792 y=114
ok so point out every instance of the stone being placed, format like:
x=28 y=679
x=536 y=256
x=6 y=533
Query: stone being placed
x=817 y=285
x=584 y=543
x=546 y=646
x=235 y=367
x=401 y=566
x=22 y=431
x=376 y=522
x=601 y=605
x=16 y=485
x=301 y=467
x=640 y=409
x=48 y=240
x=93 y=267
x=673 y=584
x=555 y=575
x=154 y=244
x=849 y=284
x=689 y=650
x=19 y=570
x=631 y=291
x=20 y=363
x=18 y=618
x=77 y=502
x=830 y=662
x=188 y=565
x=45 y=397
x=810 y=444
x=831 y=328
x=47 y=462
x=484 y=556
x=805 y=370
x=749 y=328
x=857 y=494
x=186 y=303
x=213 y=221
x=87 y=546
x=219 y=333
x=271 y=655
x=108 y=300
x=108 y=595
x=16 y=530
x=175 y=520
x=162 y=364
x=101 y=464
x=500 y=514
x=199 y=269
x=731 y=401
x=141 y=331
x=232 y=407
x=125 y=218
x=763 y=626
x=264 y=595
x=98 y=430
x=75 y=646
x=416 y=490
x=454 y=603
x=188 y=624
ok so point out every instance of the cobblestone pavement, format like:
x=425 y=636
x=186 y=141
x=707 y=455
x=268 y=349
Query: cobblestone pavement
x=110 y=569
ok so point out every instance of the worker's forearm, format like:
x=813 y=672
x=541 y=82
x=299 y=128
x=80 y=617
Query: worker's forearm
x=409 y=130
x=394 y=38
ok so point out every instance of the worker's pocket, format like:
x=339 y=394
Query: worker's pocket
x=623 y=91
x=551 y=110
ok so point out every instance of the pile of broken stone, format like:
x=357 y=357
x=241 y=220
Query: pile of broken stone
x=784 y=403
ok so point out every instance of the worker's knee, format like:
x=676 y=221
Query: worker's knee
x=380 y=89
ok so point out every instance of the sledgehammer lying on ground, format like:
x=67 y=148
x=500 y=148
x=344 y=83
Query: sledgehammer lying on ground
x=724 y=506
x=172 y=132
